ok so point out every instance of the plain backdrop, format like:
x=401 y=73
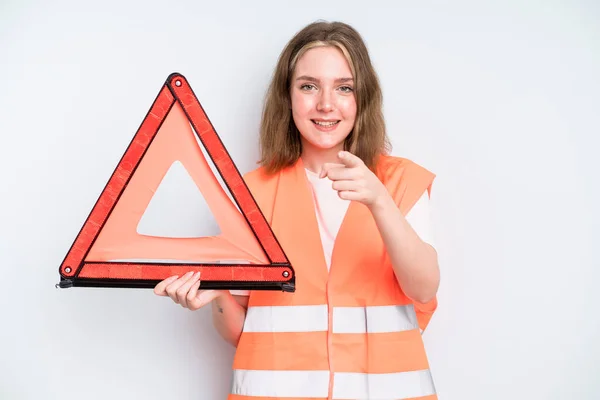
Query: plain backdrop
x=500 y=99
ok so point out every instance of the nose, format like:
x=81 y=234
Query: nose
x=325 y=103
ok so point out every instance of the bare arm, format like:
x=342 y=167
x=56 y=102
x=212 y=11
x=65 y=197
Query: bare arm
x=229 y=314
x=415 y=262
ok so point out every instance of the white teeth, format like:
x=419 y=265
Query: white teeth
x=321 y=123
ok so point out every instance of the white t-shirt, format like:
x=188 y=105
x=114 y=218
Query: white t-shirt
x=330 y=210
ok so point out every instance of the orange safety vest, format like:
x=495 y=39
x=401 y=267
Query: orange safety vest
x=347 y=333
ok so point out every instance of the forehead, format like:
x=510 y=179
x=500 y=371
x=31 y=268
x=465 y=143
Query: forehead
x=323 y=63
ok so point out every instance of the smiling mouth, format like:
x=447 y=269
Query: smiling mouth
x=325 y=124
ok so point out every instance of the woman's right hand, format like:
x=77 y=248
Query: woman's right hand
x=185 y=291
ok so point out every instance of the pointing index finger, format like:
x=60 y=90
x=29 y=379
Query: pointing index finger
x=349 y=159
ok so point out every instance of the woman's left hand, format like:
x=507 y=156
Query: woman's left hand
x=353 y=180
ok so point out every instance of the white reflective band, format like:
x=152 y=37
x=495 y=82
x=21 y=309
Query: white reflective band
x=375 y=319
x=286 y=319
x=400 y=385
x=278 y=384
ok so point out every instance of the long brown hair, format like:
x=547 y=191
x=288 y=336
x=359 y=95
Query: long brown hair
x=280 y=144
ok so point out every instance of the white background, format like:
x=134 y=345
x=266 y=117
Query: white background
x=500 y=99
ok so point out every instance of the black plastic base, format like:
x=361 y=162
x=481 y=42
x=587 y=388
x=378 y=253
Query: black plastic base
x=289 y=287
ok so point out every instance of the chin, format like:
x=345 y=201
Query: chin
x=318 y=141
x=319 y=145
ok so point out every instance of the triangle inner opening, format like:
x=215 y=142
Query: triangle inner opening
x=178 y=209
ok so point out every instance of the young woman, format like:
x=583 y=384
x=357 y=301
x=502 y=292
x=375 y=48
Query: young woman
x=353 y=222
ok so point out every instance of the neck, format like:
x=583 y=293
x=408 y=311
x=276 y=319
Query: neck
x=313 y=158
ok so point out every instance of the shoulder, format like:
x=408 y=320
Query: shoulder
x=262 y=186
x=406 y=180
x=393 y=168
x=259 y=177
x=256 y=176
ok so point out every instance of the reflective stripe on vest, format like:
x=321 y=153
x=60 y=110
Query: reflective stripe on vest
x=286 y=319
x=314 y=384
x=277 y=384
x=374 y=319
x=398 y=385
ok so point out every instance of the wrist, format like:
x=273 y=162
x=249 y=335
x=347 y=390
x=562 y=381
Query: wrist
x=381 y=204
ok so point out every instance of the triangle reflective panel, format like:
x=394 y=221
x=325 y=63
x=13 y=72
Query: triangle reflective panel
x=234 y=248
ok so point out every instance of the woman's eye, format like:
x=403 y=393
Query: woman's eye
x=307 y=87
x=346 y=89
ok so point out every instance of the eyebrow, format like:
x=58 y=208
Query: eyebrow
x=311 y=79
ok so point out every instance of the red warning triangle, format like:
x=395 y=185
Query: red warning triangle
x=110 y=252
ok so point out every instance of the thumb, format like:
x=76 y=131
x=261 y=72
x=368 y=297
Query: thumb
x=327 y=167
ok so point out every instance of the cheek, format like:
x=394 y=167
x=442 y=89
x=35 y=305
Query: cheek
x=301 y=105
x=348 y=108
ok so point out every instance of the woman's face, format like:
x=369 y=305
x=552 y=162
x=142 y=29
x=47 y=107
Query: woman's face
x=322 y=97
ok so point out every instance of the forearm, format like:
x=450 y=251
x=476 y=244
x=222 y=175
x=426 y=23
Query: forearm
x=228 y=318
x=414 y=261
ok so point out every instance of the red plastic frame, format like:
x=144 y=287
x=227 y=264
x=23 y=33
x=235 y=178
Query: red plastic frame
x=75 y=271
